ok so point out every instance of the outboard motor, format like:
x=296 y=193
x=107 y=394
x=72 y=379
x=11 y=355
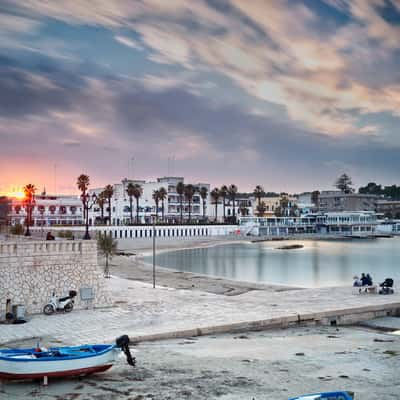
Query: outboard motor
x=123 y=343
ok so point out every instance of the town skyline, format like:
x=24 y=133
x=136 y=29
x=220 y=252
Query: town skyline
x=288 y=95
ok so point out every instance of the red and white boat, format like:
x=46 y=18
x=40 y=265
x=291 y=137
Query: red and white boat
x=37 y=363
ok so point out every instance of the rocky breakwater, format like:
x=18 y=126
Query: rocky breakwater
x=30 y=270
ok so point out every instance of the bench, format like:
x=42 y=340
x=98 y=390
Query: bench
x=365 y=289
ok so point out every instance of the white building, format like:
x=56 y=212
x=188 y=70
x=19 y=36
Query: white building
x=48 y=210
x=120 y=203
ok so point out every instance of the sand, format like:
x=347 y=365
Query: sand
x=257 y=365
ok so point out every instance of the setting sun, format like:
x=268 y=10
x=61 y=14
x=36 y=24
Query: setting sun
x=17 y=195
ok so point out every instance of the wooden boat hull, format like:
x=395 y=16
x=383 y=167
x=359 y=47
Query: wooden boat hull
x=76 y=366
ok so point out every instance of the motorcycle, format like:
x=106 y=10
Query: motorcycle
x=65 y=304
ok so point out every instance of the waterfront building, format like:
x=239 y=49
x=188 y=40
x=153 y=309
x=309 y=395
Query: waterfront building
x=337 y=201
x=388 y=208
x=120 y=204
x=347 y=222
x=48 y=210
x=351 y=223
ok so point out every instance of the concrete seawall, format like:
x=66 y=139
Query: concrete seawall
x=30 y=270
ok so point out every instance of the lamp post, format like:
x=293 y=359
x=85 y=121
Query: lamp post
x=88 y=202
x=154 y=251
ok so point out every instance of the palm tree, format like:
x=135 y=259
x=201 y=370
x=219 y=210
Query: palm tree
x=180 y=189
x=156 y=198
x=130 y=191
x=215 y=195
x=259 y=193
x=83 y=183
x=108 y=247
x=29 y=201
x=162 y=194
x=261 y=208
x=203 y=195
x=232 y=192
x=189 y=193
x=101 y=201
x=224 y=193
x=137 y=194
x=108 y=192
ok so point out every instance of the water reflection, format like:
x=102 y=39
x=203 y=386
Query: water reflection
x=319 y=263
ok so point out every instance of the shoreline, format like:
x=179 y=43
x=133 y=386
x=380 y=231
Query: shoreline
x=133 y=267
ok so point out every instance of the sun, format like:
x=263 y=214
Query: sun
x=17 y=195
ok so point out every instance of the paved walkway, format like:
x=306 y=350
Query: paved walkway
x=143 y=311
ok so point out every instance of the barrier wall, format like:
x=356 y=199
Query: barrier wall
x=30 y=270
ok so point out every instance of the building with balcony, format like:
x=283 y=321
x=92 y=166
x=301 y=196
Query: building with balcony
x=120 y=203
x=48 y=210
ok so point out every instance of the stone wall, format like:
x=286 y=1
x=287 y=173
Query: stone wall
x=30 y=270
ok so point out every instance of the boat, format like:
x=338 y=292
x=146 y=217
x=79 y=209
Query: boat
x=39 y=362
x=327 y=396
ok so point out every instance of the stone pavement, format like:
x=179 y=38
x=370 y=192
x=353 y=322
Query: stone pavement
x=146 y=313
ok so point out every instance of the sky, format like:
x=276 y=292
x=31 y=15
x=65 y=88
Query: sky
x=287 y=94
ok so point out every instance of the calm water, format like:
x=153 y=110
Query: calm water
x=319 y=263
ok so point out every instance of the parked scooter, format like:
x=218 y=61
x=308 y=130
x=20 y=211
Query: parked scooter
x=65 y=304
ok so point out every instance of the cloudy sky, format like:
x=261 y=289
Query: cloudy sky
x=283 y=93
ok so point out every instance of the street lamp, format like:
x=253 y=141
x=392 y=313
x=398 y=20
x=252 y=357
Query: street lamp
x=88 y=202
x=154 y=250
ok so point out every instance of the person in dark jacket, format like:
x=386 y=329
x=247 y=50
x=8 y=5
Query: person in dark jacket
x=364 y=280
x=369 y=280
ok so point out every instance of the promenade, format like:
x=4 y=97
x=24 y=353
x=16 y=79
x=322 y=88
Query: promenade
x=146 y=314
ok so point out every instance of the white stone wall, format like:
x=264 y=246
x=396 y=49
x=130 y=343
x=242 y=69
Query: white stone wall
x=31 y=270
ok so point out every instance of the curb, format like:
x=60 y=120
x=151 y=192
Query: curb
x=333 y=317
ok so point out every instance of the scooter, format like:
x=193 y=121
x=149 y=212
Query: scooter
x=65 y=304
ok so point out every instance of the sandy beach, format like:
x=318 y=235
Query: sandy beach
x=269 y=365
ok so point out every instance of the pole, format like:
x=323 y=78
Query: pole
x=154 y=252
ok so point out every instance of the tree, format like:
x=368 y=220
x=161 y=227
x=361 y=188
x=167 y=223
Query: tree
x=101 y=201
x=109 y=192
x=215 y=195
x=224 y=193
x=371 y=188
x=232 y=192
x=162 y=194
x=180 y=189
x=83 y=183
x=137 y=194
x=203 y=195
x=189 y=193
x=156 y=198
x=343 y=183
x=130 y=190
x=29 y=202
x=259 y=193
x=108 y=247
x=261 y=208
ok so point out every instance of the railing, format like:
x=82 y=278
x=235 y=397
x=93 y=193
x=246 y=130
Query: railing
x=34 y=248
